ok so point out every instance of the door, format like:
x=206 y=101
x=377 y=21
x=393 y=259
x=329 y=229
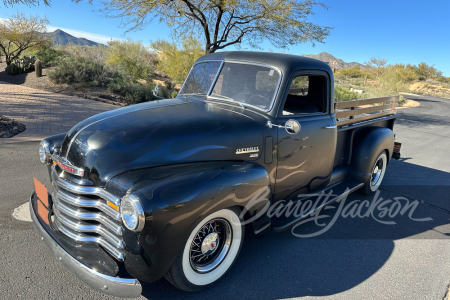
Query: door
x=305 y=154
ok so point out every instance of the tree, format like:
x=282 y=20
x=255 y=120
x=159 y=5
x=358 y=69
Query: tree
x=20 y=33
x=222 y=23
x=176 y=60
x=26 y=2
x=376 y=65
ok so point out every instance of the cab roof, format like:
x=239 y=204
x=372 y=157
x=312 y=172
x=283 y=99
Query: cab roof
x=287 y=63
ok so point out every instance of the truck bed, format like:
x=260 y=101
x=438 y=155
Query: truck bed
x=355 y=115
x=355 y=111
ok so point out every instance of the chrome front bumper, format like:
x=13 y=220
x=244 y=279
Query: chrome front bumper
x=119 y=287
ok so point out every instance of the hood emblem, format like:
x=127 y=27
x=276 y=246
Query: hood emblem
x=67 y=166
x=247 y=150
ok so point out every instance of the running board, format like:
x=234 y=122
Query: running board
x=341 y=189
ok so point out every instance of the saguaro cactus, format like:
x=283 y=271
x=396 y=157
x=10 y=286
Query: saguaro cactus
x=38 y=68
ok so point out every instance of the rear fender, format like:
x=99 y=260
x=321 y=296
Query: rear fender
x=367 y=145
x=175 y=198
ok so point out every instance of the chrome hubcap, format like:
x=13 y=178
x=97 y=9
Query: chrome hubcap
x=376 y=172
x=210 y=245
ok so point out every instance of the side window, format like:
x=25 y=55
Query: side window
x=307 y=94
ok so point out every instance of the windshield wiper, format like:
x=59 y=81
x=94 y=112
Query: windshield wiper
x=228 y=98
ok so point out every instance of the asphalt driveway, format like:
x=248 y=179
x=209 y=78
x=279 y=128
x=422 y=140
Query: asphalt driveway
x=357 y=258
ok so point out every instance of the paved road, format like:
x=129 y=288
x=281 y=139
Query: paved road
x=357 y=258
x=44 y=113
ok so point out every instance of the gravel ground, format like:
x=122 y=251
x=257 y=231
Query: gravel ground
x=43 y=83
x=9 y=127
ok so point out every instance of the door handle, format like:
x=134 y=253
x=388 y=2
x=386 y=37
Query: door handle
x=331 y=126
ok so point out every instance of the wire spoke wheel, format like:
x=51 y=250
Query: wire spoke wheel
x=377 y=171
x=210 y=245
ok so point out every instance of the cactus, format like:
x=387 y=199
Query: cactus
x=38 y=68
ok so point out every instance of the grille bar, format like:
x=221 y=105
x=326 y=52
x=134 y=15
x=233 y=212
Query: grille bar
x=85 y=190
x=84 y=202
x=87 y=219
x=77 y=236
x=80 y=226
x=82 y=214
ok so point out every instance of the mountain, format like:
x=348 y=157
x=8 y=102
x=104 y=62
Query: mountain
x=334 y=62
x=63 y=38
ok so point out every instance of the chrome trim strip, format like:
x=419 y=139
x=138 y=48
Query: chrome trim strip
x=215 y=79
x=115 y=286
x=86 y=190
x=80 y=237
x=80 y=226
x=82 y=214
x=84 y=202
x=128 y=112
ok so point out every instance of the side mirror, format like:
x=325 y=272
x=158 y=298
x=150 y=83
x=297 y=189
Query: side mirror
x=156 y=90
x=292 y=126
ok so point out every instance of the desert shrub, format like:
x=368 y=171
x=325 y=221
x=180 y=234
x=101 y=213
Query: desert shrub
x=95 y=53
x=137 y=93
x=132 y=58
x=134 y=91
x=343 y=94
x=176 y=60
x=353 y=72
x=81 y=70
x=13 y=69
x=22 y=65
x=443 y=79
x=174 y=94
x=49 y=56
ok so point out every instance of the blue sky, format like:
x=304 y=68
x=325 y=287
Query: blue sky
x=401 y=31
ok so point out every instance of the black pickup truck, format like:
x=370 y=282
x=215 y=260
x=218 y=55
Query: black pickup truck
x=164 y=188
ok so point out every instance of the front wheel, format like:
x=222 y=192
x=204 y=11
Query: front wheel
x=209 y=252
x=373 y=182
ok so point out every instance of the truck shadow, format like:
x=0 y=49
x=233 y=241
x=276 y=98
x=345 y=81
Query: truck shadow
x=351 y=251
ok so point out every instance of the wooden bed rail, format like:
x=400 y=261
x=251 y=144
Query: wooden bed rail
x=349 y=112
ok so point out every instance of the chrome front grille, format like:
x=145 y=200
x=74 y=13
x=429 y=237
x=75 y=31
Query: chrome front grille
x=82 y=213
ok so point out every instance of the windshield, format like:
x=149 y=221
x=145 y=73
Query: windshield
x=200 y=78
x=245 y=83
x=248 y=84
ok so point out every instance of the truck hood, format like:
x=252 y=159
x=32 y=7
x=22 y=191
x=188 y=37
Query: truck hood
x=161 y=133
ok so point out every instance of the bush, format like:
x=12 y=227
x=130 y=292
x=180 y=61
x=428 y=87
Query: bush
x=13 y=69
x=48 y=56
x=81 y=70
x=22 y=65
x=96 y=53
x=343 y=94
x=133 y=58
x=135 y=92
x=174 y=94
x=176 y=59
x=353 y=72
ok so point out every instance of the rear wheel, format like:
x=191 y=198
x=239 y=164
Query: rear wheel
x=373 y=182
x=209 y=252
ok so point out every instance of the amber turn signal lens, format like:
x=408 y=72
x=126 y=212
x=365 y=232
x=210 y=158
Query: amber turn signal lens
x=113 y=205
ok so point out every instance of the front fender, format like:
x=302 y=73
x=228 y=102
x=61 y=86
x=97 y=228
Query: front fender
x=175 y=198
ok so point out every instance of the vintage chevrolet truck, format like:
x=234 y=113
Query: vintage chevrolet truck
x=164 y=188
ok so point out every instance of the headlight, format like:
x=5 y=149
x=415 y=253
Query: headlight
x=44 y=152
x=132 y=213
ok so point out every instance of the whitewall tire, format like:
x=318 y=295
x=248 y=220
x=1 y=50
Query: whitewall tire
x=209 y=252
